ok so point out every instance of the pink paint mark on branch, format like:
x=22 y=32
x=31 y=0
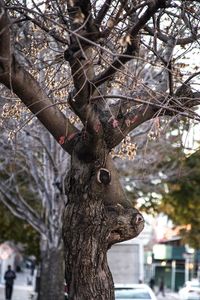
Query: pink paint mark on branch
x=71 y=136
x=61 y=140
x=134 y=119
x=97 y=127
x=115 y=123
x=128 y=122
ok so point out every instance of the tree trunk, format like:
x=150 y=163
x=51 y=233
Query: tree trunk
x=97 y=216
x=52 y=274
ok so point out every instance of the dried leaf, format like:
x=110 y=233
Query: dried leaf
x=110 y=23
x=71 y=3
x=79 y=18
x=128 y=122
x=125 y=40
x=128 y=39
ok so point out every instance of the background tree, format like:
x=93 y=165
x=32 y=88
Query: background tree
x=181 y=203
x=160 y=155
x=14 y=229
x=126 y=66
x=32 y=172
x=165 y=179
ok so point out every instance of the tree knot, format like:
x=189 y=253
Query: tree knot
x=104 y=176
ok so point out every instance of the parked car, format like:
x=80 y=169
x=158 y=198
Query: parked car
x=134 y=292
x=190 y=291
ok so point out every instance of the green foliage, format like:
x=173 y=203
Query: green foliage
x=18 y=231
x=182 y=203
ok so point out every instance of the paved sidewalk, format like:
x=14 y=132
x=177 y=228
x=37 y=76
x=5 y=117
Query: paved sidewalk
x=169 y=296
x=21 y=291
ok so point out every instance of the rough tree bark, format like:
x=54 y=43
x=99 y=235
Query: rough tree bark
x=96 y=217
x=51 y=284
x=45 y=194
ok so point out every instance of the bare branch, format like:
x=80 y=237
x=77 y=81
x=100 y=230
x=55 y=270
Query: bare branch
x=102 y=12
x=21 y=209
x=23 y=84
x=132 y=48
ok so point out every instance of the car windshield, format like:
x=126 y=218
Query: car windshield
x=192 y=284
x=131 y=293
x=196 y=285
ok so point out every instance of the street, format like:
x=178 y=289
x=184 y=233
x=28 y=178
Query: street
x=169 y=296
x=22 y=291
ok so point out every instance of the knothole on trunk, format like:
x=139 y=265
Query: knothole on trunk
x=103 y=176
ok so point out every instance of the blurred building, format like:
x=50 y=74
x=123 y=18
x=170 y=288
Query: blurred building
x=126 y=259
x=172 y=261
x=158 y=252
x=9 y=255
